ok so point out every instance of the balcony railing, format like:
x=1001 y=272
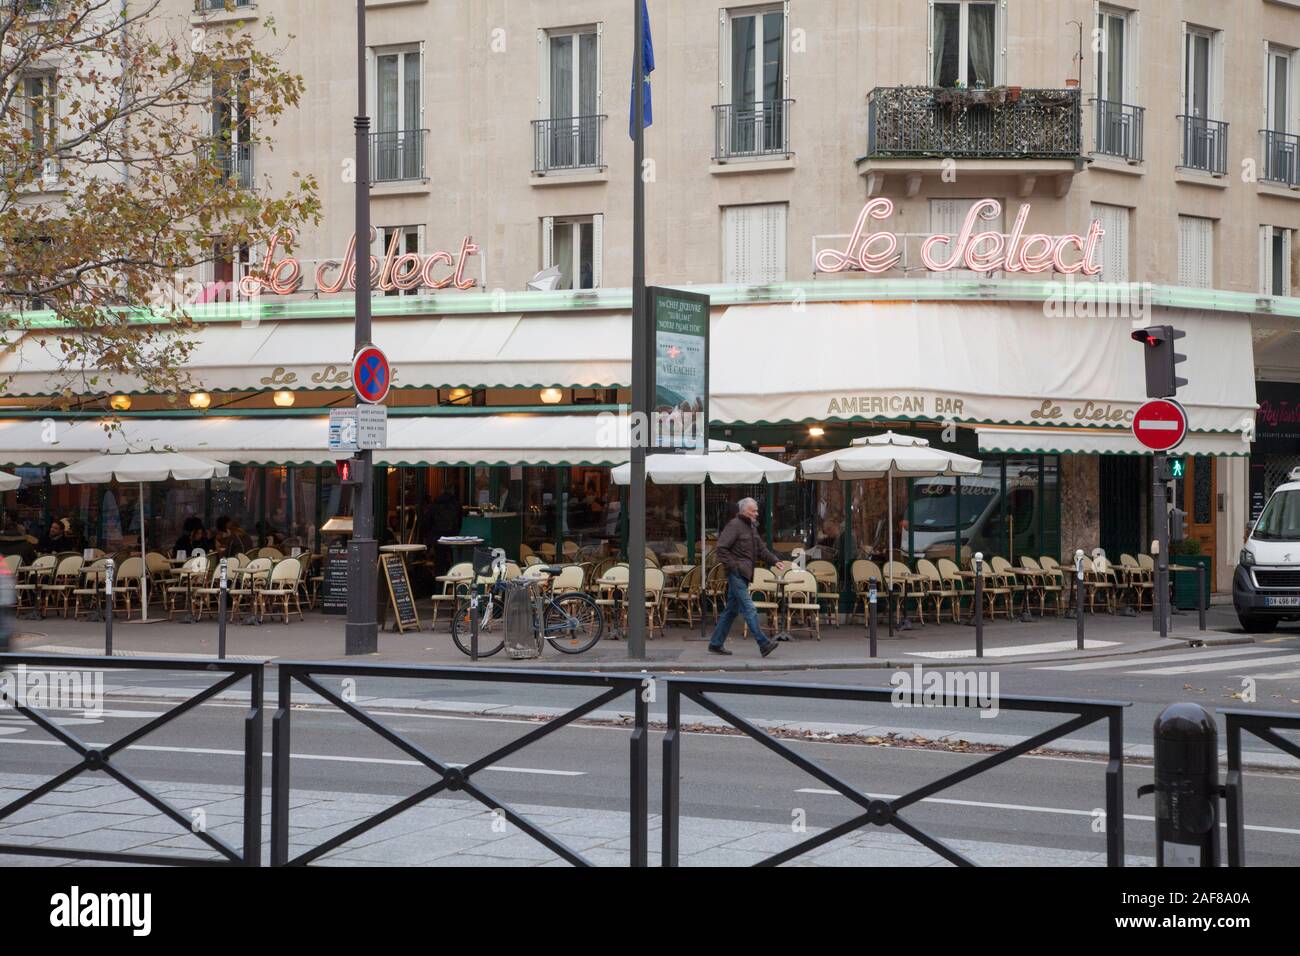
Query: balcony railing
x=215 y=6
x=1119 y=130
x=1205 y=145
x=235 y=161
x=397 y=155
x=570 y=142
x=1281 y=157
x=751 y=129
x=999 y=123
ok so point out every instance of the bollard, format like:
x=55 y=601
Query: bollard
x=1186 y=787
x=1078 y=592
x=871 y=614
x=473 y=622
x=1200 y=594
x=108 y=616
x=979 y=603
x=221 y=612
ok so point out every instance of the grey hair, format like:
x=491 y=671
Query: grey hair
x=744 y=503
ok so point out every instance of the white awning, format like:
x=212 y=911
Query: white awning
x=581 y=350
x=985 y=363
x=506 y=439
x=1098 y=441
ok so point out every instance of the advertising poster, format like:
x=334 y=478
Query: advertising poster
x=680 y=394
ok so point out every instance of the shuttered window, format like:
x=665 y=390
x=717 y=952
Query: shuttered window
x=1274 y=260
x=1113 y=251
x=753 y=244
x=1195 y=252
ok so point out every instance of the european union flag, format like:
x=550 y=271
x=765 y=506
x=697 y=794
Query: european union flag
x=647 y=67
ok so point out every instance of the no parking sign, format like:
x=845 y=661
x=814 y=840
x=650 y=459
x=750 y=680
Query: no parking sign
x=371 y=376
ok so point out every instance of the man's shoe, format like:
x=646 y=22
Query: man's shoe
x=767 y=648
x=719 y=650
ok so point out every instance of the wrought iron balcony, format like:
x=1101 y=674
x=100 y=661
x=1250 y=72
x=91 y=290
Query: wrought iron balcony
x=1281 y=157
x=397 y=155
x=235 y=160
x=751 y=129
x=999 y=123
x=1119 y=130
x=215 y=6
x=568 y=143
x=1205 y=145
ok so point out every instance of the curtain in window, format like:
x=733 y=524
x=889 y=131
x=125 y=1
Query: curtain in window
x=588 y=85
x=562 y=139
x=411 y=141
x=981 y=36
x=946 y=42
x=744 y=89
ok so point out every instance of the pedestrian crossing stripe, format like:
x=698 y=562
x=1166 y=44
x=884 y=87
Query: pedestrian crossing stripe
x=1015 y=650
x=1169 y=658
x=1238 y=660
x=1224 y=665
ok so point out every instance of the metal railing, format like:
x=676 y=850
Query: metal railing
x=1119 y=129
x=571 y=142
x=1001 y=123
x=449 y=778
x=1281 y=157
x=874 y=810
x=96 y=759
x=1264 y=725
x=235 y=160
x=214 y=6
x=1205 y=144
x=751 y=129
x=397 y=155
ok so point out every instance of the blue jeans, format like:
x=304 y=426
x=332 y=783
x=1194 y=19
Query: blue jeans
x=739 y=603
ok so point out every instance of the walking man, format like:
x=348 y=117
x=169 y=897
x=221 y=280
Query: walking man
x=739 y=548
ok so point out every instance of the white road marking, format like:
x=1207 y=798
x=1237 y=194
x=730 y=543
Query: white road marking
x=1024 y=808
x=1013 y=651
x=1239 y=667
x=97 y=652
x=1120 y=664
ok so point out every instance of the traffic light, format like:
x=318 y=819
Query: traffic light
x=1177 y=525
x=350 y=470
x=1161 y=359
x=1175 y=469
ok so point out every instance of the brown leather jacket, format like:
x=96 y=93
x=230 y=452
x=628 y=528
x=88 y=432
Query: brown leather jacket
x=740 y=546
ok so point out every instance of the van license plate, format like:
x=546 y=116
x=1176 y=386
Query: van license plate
x=1282 y=602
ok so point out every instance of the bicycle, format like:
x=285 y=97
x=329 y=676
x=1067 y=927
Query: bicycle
x=571 y=623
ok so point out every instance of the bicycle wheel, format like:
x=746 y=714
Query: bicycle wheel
x=573 y=623
x=491 y=628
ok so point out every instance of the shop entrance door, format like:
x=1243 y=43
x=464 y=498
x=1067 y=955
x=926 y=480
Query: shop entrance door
x=1198 y=496
x=1123 y=485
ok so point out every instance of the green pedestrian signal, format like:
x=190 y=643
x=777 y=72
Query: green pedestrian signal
x=1177 y=468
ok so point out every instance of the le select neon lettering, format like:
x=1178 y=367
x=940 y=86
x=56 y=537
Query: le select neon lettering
x=1019 y=251
x=404 y=271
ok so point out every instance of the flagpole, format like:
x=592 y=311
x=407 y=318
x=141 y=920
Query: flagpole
x=640 y=379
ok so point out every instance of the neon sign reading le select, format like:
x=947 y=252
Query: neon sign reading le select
x=877 y=252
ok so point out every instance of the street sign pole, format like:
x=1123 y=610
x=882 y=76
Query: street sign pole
x=362 y=630
x=1159 y=606
x=640 y=431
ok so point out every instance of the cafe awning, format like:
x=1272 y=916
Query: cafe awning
x=980 y=363
x=1099 y=441
x=579 y=350
x=463 y=439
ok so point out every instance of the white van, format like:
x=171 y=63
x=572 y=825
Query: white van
x=1266 y=586
x=983 y=514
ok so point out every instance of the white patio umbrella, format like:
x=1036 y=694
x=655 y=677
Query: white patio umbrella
x=140 y=467
x=9 y=482
x=889 y=456
x=726 y=464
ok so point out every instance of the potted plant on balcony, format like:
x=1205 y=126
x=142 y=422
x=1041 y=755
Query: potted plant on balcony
x=1013 y=94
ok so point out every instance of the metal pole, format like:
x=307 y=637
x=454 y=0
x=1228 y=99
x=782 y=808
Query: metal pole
x=1160 y=509
x=108 y=616
x=1200 y=595
x=978 y=564
x=640 y=360
x=362 y=630
x=1078 y=579
x=871 y=614
x=221 y=611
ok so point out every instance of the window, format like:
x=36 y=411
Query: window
x=752 y=117
x=409 y=240
x=573 y=245
x=1114 y=246
x=1205 y=138
x=1119 y=122
x=232 y=127
x=230 y=263
x=1198 y=65
x=1280 y=142
x=753 y=244
x=1195 y=252
x=946 y=219
x=965 y=44
x=1274 y=260
x=399 y=114
x=569 y=134
x=42 y=113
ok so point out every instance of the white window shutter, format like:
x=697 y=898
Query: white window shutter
x=1114 y=245
x=724 y=59
x=1182 y=75
x=785 y=43
x=600 y=71
x=772 y=225
x=598 y=251
x=1265 y=260
x=1133 y=58
x=1000 y=29
x=929 y=49
x=1286 y=261
x=548 y=241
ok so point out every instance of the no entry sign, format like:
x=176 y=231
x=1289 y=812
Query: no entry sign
x=371 y=376
x=1160 y=425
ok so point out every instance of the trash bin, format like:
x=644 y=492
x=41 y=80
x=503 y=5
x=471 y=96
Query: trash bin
x=519 y=604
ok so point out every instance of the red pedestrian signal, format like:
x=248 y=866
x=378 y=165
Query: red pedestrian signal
x=1161 y=359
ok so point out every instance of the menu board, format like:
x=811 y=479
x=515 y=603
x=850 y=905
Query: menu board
x=399 y=592
x=334 y=587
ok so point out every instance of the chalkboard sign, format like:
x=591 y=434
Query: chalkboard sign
x=334 y=589
x=399 y=592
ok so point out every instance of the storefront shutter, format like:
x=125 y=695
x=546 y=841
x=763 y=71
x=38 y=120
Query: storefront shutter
x=1114 y=245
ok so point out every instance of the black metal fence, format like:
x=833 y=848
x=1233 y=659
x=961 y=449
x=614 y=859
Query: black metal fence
x=101 y=759
x=1281 y=157
x=751 y=129
x=235 y=160
x=1205 y=145
x=453 y=779
x=1119 y=129
x=876 y=811
x=1264 y=725
x=1002 y=123
x=397 y=155
x=567 y=143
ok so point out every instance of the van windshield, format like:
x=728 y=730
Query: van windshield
x=934 y=506
x=1281 y=518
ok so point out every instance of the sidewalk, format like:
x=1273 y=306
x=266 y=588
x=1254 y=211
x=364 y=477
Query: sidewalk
x=320 y=637
x=450 y=832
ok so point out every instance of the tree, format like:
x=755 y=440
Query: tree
x=124 y=138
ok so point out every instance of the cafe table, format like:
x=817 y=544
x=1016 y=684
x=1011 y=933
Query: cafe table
x=618 y=587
